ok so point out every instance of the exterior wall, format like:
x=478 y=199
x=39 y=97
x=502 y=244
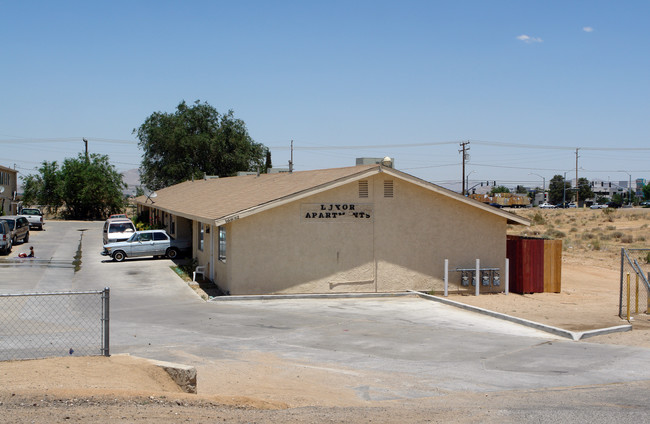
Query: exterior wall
x=401 y=246
x=203 y=257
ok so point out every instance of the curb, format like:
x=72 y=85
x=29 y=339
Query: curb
x=573 y=335
x=310 y=296
x=183 y=375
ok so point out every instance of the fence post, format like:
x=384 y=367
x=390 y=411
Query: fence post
x=620 y=292
x=446 y=277
x=106 y=302
x=478 y=271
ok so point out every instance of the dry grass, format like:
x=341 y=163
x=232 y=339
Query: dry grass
x=589 y=235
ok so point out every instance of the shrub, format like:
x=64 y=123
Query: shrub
x=587 y=236
x=640 y=238
x=538 y=219
x=611 y=227
x=617 y=234
x=595 y=245
x=627 y=238
x=573 y=230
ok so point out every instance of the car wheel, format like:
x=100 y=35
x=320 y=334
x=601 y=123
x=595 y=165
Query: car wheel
x=14 y=240
x=172 y=253
x=119 y=256
x=40 y=227
x=26 y=238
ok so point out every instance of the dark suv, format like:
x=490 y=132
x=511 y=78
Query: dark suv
x=19 y=227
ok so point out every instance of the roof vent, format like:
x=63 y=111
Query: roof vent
x=388 y=188
x=363 y=189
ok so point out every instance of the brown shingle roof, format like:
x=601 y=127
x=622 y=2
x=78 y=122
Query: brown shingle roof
x=214 y=199
x=219 y=199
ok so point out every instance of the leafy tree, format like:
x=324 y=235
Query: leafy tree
x=91 y=188
x=617 y=199
x=521 y=190
x=584 y=189
x=646 y=191
x=556 y=189
x=194 y=141
x=500 y=189
x=44 y=188
x=87 y=188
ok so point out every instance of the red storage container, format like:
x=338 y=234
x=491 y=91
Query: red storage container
x=526 y=256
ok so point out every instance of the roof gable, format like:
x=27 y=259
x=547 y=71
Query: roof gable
x=222 y=200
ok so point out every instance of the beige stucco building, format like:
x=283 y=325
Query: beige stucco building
x=8 y=188
x=357 y=229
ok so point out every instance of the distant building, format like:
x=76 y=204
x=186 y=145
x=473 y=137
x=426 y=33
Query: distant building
x=640 y=182
x=8 y=191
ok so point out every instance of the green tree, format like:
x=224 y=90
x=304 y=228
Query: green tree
x=195 y=141
x=584 y=189
x=44 y=188
x=521 y=190
x=91 y=188
x=557 y=188
x=646 y=191
x=500 y=189
x=617 y=199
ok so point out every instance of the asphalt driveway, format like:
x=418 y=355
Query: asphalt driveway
x=405 y=348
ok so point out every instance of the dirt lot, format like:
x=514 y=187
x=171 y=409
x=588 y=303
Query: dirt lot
x=127 y=389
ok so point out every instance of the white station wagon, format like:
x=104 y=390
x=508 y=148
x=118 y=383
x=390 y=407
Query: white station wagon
x=145 y=243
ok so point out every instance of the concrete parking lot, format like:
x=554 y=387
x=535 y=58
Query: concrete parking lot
x=405 y=349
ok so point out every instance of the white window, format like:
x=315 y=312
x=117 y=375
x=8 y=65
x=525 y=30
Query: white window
x=222 y=244
x=201 y=235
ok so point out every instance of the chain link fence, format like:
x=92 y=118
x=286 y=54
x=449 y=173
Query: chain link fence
x=41 y=325
x=635 y=288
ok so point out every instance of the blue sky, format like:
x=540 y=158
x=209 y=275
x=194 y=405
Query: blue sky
x=525 y=82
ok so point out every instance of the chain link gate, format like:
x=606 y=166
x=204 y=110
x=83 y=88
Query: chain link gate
x=634 y=285
x=41 y=325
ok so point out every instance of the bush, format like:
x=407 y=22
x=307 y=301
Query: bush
x=538 y=219
x=595 y=245
x=627 y=238
x=573 y=230
x=617 y=234
x=611 y=227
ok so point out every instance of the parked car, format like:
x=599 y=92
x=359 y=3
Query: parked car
x=613 y=205
x=547 y=206
x=119 y=229
x=597 y=206
x=34 y=216
x=572 y=206
x=5 y=238
x=18 y=226
x=146 y=243
x=645 y=204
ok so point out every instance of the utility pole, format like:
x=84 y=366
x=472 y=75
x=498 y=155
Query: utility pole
x=464 y=151
x=291 y=160
x=86 y=143
x=577 y=185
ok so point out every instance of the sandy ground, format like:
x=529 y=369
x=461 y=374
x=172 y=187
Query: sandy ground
x=126 y=389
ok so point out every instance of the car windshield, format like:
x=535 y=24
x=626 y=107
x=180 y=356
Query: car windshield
x=120 y=228
x=31 y=212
